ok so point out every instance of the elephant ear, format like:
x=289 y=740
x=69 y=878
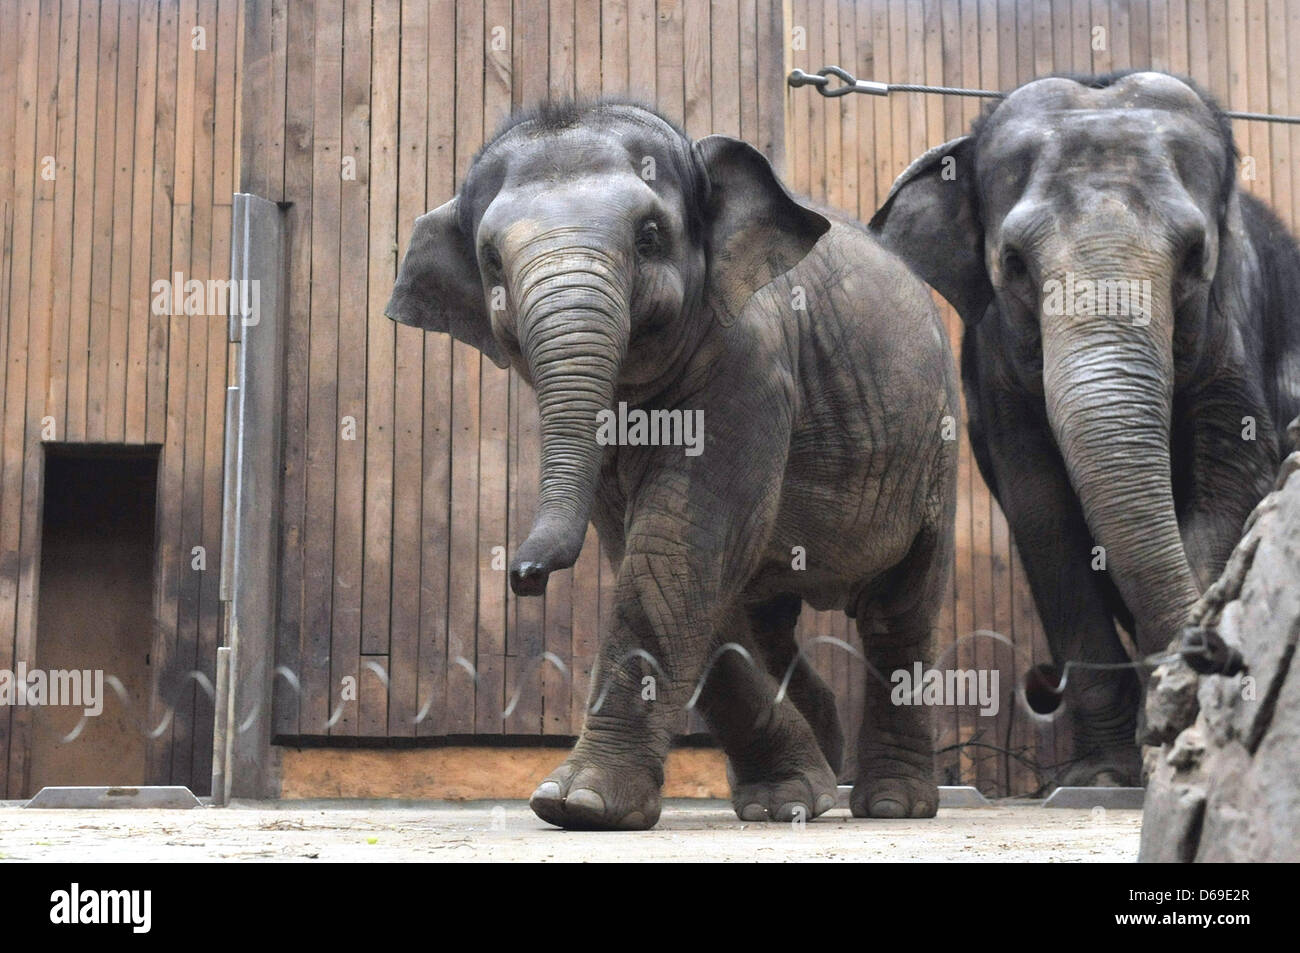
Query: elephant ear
x=929 y=220
x=756 y=229
x=439 y=287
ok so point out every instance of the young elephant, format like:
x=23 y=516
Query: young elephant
x=1131 y=356
x=617 y=264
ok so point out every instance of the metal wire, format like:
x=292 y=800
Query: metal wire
x=849 y=83
x=1206 y=655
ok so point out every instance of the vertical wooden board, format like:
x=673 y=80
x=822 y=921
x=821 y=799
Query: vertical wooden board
x=8 y=93
x=831 y=134
x=771 y=32
x=64 y=186
x=383 y=167
x=1139 y=24
x=642 y=51
x=141 y=279
x=748 y=77
x=1256 y=69
x=259 y=118
x=1158 y=19
x=225 y=132
x=696 y=67
x=462 y=625
x=800 y=111
x=323 y=674
x=723 y=57
x=1121 y=52
x=1179 y=62
x=164 y=163
x=350 y=466
x=1062 y=40
x=1080 y=35
x=14 y=422
x=40 y=308
x=173 y=563
x=1218 y=76
x=1292 y=212
x=199 y=325
x=1234 y=64
x=294 y=714
x=424 y=711
x=102 y=248
x=612 y=65
x=670 y=83
x=120 y=261
x=1198 y=45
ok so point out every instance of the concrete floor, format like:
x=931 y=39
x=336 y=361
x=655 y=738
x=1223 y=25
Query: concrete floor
x=508 y=831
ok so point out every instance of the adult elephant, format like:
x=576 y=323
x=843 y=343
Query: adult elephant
x=1131 y=356
x=617 y=264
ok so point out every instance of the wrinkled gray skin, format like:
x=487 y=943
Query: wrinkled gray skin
x=1102 y=430
x=823 y=430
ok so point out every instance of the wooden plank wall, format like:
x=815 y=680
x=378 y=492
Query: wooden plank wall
x=408 y=459
x=118 y=160
x=848 y=151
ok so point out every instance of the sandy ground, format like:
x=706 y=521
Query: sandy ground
x=508 y=831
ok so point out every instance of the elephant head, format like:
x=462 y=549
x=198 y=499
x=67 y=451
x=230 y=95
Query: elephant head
x=595 y=247
x=1089 y=218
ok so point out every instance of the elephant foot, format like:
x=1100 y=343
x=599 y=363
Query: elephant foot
x=581 y=795
x=1117 y=767
x=878 y=795
x=802 y=794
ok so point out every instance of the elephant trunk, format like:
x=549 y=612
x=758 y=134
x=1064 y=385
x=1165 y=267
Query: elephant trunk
x=573 y=332
x=1108 y=383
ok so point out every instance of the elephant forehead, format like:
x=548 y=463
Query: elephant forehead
x=1143 y=90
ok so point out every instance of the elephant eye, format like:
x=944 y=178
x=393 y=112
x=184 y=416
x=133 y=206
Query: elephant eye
x=1013 y=265
x=491 y=259
x=648 y=240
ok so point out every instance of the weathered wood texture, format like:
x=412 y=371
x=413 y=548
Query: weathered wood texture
x=118 y=158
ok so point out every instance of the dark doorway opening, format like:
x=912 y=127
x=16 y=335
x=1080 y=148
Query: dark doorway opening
x=95 y=612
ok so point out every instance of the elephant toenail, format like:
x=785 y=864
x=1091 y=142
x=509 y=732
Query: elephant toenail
x=633 y=821
x=547 y=791
x=921 y=809
x=792 y=810
x=888 y=807
x=753 y=812
x=825 y=803
x=585 y=799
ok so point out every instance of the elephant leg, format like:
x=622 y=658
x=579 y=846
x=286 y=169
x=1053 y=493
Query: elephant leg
x=774 y=759
x=772 y=624
x=896 y=744
x=1233 y=462
x=695 y=530
x=1057 y=551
